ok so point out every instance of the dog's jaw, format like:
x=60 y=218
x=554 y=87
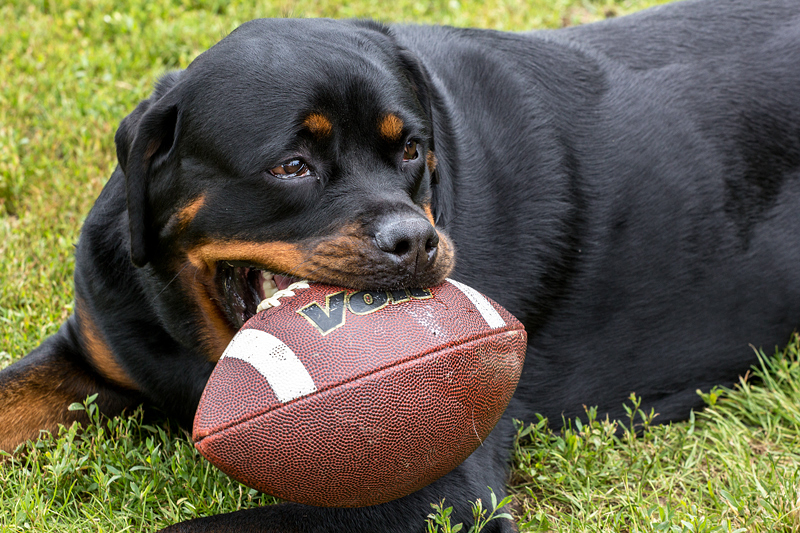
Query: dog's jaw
x=227 y=280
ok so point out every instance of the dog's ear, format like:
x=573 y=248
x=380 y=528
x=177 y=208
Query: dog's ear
x=145 y=140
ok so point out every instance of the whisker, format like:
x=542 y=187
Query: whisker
x=170 y=282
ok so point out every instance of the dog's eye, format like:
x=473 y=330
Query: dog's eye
x=295 y=168
x=410 y=151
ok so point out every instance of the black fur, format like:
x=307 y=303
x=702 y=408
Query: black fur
x=630 y=190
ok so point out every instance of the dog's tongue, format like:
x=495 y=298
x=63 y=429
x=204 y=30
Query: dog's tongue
x=283 y=281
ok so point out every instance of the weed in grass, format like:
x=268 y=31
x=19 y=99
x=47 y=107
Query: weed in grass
x=118 y=474
x=735 y=466
x=439 y=520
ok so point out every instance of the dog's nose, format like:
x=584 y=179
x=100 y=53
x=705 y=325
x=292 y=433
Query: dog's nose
x=410 y=240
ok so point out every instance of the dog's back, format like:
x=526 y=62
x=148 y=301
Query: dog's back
x=630 y=190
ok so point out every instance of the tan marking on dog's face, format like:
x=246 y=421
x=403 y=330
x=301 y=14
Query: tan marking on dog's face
x=391 y=127
x=340 y=259
x=98 y=351
x=188 y=213
x=336 y=259
x=184 y=216
x=343 y=259
x=430 y=160
x=429 y=215
x=318 y=124
x=216 y=331
x=282 y=256
x=445 y=255
x=199 y=278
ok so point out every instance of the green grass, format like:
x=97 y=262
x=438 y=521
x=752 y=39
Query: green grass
x=70 y=71
x=735 y=466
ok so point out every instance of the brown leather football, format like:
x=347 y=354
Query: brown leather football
x=347 y=398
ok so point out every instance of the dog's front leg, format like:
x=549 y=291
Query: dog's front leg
x=36 y=391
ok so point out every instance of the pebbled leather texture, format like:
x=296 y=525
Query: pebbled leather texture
x=407 y=385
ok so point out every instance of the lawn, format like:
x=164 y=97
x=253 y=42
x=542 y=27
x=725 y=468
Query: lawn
x=70 y=71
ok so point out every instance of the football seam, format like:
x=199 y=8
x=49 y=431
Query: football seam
x=423 y=355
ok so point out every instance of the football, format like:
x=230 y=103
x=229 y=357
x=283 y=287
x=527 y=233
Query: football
x=341 y=398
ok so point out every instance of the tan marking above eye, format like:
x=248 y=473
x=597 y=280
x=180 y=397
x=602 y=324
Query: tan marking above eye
x=318 y=124
x=391 y=127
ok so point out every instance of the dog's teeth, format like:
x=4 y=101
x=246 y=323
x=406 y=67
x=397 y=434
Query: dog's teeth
x=269 y=293
x=268 y=285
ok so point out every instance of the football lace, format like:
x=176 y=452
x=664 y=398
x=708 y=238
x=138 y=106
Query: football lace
x=274 y=300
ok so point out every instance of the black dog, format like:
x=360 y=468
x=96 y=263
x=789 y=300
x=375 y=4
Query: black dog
x=629 y=189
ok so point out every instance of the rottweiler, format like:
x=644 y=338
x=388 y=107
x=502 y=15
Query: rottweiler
x=629 y=189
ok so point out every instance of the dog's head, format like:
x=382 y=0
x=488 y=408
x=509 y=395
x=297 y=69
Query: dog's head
x=291 y=149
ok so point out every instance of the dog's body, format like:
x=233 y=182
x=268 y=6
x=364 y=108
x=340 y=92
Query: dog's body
x=630 y=190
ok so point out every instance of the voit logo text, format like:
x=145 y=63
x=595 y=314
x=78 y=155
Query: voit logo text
x=326 y=318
